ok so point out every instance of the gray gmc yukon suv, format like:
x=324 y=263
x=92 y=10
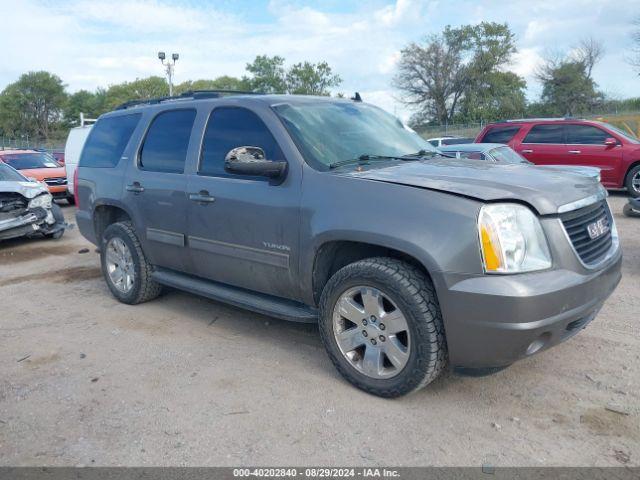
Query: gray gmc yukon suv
x=331 y=211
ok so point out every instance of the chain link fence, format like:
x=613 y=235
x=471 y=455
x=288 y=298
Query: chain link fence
x=8 y=143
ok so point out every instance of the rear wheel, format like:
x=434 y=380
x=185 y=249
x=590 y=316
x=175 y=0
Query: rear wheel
x=125 y=267
x=629 y=211
x=381 y=325
x=632 y=182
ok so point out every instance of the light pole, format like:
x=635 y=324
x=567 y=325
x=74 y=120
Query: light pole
x=169 y=66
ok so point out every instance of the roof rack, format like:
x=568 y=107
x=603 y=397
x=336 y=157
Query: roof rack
x=193 y=94
x=547 y=119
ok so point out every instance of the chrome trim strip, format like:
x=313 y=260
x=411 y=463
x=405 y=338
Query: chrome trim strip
x=585 y=202
x=164 y=236
x=241 y=252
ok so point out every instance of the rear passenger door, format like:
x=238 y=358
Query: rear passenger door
x=155 y=188
x=586 y=146
x=245 y=232
x=544 y=145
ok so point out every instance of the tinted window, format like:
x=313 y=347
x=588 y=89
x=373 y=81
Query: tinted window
x=107 y=141
x=586 y=135
x=500 y=134
x=472 y=155
x=434 y=143
x=231 y=127
x=456 y=141
x=165 y=146
x=545 y=134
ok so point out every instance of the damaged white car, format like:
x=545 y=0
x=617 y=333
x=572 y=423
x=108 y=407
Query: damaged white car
x=27 y=208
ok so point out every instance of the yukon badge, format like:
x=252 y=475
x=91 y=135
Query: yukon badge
x=597 y=229
x=285 y=248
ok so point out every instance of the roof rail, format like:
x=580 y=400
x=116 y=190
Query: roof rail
x=543 y=119
x=194 y=94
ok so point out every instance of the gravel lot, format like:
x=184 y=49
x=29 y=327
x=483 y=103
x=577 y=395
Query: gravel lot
x=183 y=380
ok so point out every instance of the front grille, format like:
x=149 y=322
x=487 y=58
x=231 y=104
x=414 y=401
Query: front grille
x=590 y=250
x=56 y=181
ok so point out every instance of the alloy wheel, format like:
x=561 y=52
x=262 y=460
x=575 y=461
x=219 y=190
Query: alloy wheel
x=119 y=263
x=371 y=331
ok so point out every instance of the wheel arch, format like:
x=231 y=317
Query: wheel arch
x=105 y=214
x=332 y=255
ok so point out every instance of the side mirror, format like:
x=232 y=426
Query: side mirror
x=610 y=142
x=251 y=161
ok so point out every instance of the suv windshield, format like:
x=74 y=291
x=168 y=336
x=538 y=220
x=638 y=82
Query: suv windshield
x=622 y=133
x=507 y=155
x=8 y=174
x=23 y=161
x=330 y=132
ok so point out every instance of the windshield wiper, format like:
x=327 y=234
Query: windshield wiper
x=363 y=159
x=423 y=154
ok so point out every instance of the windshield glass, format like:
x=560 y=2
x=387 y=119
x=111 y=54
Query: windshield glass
x=330 y=132
x=506 y=155
x=23 y=161
x=8 y=174
x=622 y=133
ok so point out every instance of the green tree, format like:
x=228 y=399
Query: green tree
x=567 y=85
x=267 y=74
x=497 y=95
x=33 y=105
x=92 y=105
x=438 y=75
x=224 y=82
x=311 y=79
x=140 y=88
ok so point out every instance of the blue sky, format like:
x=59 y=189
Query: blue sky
x=91 y=43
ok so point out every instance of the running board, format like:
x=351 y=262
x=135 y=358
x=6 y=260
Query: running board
x=256 y=302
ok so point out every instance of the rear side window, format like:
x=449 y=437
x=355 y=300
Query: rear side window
x=545 y=134
x=107 y=141
x=585 y=135
x=231 y=127
x=167 y=141
x=500 y=134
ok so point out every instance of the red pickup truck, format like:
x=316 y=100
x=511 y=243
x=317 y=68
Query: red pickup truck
x=553 y=141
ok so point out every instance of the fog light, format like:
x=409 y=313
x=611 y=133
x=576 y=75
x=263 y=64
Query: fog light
x=538 y=343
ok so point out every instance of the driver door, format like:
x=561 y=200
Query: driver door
x=243 y=230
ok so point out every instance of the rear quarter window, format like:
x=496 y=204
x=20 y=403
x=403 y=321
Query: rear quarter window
x=500 y=134
x=107 y=141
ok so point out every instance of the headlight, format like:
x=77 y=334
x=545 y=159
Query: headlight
x=512 y=239
x=42 y=201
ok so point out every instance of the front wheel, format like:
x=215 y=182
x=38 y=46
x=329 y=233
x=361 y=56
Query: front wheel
x=632 y=182
x=381 y=325
x=629 y=211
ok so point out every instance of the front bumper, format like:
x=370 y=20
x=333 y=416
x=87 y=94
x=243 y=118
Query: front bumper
x=492 y=321
x=34 y=221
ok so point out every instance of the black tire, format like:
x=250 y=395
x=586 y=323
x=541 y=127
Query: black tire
x=629 y=179
x=414 y=294
x=629 y=211
x=144 y=288
x=71 y=200
x=59 y=217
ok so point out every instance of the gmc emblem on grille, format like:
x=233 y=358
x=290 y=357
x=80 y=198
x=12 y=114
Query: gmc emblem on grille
x=597 y=229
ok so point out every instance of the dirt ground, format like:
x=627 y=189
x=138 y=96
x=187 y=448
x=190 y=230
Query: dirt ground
x=183 y=380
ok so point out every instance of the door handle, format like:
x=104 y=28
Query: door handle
x=575 y=152
x=201 y=197
x=135 y=187
x=526 y=151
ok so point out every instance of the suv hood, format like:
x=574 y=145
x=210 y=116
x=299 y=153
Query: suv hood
x=26 y=189
x=546 y=190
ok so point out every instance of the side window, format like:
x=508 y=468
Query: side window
x=107 y=141
x=500 y=134
x=165 y=146
x=545 y=134
x=231 y=127
x=585 y=135
x=434 y=143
